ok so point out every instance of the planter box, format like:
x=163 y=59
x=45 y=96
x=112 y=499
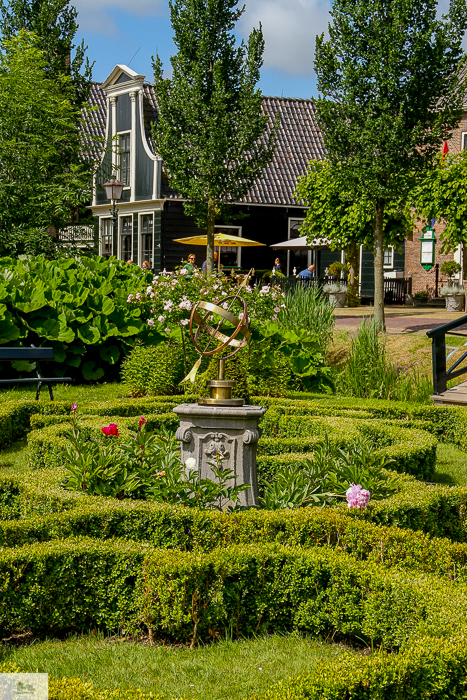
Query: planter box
x=455 y=302
x=337 y=299
x=420 y=302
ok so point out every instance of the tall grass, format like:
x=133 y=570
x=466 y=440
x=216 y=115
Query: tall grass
x=307 y=307
x=369 y=374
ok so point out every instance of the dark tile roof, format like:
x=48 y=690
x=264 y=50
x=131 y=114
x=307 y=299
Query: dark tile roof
x=299 y=140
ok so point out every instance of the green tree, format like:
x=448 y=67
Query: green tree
x=211 y=130
x=391 y=89
x=39 y=132
x=347 y=222
x=54 y=22
x=442 y=195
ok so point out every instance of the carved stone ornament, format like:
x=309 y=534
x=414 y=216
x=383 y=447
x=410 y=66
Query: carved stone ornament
x=216 y=445
x=183 y=434
x=250 y=437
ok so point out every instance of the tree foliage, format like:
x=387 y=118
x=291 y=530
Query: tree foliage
x=211 y=131
x=54 y=22
x=346 y=221
x=442 y=195
x=42 y=177
x=392 y=90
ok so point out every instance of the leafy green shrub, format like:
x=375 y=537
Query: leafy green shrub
x=153 y=370
x=77 y=306
x=308 y=308
x=328 y=475
x=143 y=467
x=369 y=374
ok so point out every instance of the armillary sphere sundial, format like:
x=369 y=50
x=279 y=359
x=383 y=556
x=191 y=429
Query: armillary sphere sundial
x=206 y=321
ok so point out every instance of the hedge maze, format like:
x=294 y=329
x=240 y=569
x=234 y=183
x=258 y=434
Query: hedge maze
x=391 y=577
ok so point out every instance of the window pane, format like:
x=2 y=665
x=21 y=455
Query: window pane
x=126 y=237
x=147 y=239
x=125 y=159
x=106 y=238
x=388 y=256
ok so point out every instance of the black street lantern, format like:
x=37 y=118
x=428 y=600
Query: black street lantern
x=113 y=189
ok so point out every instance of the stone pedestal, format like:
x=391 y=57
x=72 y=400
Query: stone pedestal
x=230 y=431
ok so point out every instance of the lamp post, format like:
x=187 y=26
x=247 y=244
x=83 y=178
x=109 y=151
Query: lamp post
x=113 y=191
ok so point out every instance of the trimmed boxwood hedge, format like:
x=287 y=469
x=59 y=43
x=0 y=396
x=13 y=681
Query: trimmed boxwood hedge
x=413 y=451
x=43 y=512
x=82 y=583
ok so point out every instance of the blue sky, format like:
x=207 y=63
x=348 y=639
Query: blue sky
x=115 y=30
x=114 y=34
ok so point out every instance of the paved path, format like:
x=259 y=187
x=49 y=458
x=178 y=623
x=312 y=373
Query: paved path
x=399 y=319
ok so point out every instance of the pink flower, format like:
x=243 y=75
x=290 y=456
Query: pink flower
x=142 y=421
x=74 y=407
x=357 y=497
x=276 y=310
x=110 y=430
x=151 y=322
x=161 y=319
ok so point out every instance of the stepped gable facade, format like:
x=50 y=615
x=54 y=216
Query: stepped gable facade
x=151 y=214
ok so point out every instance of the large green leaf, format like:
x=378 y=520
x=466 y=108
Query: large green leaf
x=110 y=354
x=89 y=334
x=90 y=373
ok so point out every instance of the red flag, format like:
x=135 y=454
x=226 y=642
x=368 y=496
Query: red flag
x=445 y=148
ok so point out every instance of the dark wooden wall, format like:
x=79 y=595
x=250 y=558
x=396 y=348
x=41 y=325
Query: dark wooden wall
x=266 y=224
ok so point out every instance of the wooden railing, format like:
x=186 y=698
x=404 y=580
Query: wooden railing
x=441 y=375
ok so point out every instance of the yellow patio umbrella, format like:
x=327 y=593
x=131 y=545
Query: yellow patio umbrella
x=220 y=239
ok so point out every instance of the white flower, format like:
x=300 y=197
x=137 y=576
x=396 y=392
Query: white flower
x=224 y=294
x=138 y=296
x=190 y=463
x=225 y=305
x=151 y=322
x=216 y=286
x=130 y=298
x=276 y=310
x=274 y=318
x=186 y=304
x=167 y=330
x=161 y=319
x=149 y=290
x=184 y=271
x=184 y=321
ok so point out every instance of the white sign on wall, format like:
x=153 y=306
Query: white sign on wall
x=24 y=686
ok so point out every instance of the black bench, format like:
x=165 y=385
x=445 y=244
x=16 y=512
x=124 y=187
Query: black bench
x=32 y=354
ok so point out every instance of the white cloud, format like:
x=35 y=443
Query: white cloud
x=290 y=28
x=97 y=15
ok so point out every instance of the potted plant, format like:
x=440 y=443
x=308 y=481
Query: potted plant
x=420 y=298
x=337 y=291
x=453 y=293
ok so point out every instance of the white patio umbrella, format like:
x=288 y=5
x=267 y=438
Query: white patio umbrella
x=302 y=244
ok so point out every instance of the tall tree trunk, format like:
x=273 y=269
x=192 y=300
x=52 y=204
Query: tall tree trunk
x=210 y=236
x=379 y=269
x=353 y=258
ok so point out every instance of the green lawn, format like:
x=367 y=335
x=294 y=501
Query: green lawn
x=227 y=669
x=67 y=392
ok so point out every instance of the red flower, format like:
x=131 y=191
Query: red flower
x=142 y=421
x=110 y=430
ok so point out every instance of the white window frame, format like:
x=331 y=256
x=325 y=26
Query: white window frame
x=119 y=237
x=140 y=234
x=123 y=133
x=391 y=266
x=101 y=232
x=464 y=141
x=239 y=233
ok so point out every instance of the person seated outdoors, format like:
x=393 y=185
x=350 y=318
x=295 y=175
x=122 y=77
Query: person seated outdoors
x=307 y=275
x=146 y=266
x=277 y=265
x=204 y=266
x=190 y=265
